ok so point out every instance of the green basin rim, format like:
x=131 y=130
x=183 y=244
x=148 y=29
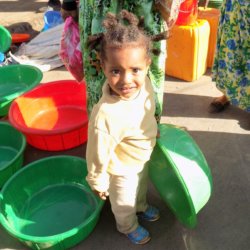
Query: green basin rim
x=52 y=238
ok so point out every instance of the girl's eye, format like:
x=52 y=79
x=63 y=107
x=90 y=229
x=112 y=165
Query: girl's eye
x=115 y=71
x=136 y=70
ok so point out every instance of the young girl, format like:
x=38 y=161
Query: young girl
x=122 y=127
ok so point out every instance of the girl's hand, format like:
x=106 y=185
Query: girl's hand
x=158 y=134
x=102 y=195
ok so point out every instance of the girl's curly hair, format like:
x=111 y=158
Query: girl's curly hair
x=122 y=30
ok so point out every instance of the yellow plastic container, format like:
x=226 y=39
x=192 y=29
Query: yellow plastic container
x=212 y=16
x=187 y=50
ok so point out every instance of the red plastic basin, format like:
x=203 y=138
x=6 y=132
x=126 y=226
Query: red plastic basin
x=20 y=37
x=53 y=115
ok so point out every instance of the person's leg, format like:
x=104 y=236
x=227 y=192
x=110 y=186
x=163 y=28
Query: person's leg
x=122 y=195
x=230 y=70
x=145 y=211
x=141 y=202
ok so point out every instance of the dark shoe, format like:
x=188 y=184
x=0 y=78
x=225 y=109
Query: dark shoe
x=139 y=236
x=217 y=106
x=151 y=214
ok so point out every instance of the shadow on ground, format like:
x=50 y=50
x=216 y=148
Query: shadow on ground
x=195 y=106
x=20 y=5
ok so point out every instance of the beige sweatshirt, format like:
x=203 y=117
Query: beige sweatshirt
x=121 y=135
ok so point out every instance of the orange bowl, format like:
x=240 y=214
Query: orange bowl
x=20 y=37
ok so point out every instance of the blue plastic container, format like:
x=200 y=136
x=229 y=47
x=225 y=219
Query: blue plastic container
x=51 y=19
x=2 y=57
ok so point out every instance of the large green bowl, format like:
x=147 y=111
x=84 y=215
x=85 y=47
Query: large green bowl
x=49 y=205
x=12 y=146
x=5 y=39
x=14 y=81
x=180 y=173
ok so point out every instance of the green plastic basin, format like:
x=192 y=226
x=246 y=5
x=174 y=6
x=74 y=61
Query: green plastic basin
x=49 y=205
x=180 y=173
x=5 y=39
x=12 y=146
x=14 y=81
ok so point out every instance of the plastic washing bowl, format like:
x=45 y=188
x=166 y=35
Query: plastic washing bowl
x=5 y=39
x=12 y=146
x=20 y=37
x=14 y=81
x=53 y=115
x=180 y=173
x=49 y=205
x=52 y=18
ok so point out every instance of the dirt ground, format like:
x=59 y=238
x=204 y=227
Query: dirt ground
x=23 y=16
x=16 y=11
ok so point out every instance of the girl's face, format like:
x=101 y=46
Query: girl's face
x=126 y=69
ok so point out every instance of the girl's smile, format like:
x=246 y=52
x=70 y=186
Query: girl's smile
x=126 y=69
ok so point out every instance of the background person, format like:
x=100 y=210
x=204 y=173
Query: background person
x=231 y=69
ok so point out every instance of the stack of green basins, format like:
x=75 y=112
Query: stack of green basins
x=212 y=3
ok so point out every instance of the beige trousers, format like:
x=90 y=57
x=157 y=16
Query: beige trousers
x=127 y=195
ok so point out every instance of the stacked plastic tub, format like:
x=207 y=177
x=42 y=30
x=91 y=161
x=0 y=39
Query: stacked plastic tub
x=187 y=46
x=51 y=116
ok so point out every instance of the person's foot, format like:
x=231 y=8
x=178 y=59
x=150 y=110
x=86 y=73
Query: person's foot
x=139 y=236
x=151 y=214
x=219 y=104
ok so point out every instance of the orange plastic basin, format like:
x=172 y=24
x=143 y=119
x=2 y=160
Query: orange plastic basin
x=20 y=37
